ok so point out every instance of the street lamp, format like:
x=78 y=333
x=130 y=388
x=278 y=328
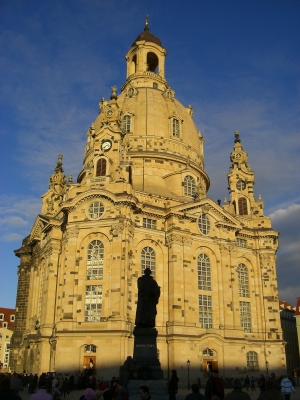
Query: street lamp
x=267 y=366
x=188 y=363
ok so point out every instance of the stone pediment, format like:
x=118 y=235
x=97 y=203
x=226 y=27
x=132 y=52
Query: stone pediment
x=208 y=206
x=41 y=224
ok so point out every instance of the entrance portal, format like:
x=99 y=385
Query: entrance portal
x=89 y=365
x=208 y=366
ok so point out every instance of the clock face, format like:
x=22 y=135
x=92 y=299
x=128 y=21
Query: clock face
x=106 y=144
x=241 y=185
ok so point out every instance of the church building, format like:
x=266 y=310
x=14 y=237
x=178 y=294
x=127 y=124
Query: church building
x=141 y=201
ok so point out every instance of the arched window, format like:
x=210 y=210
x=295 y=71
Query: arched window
x=148 y=259
x=208 y=353
x=152 y=62
x=204 y=224
x=252 y=361
x=204 y=276
x=133 y=65
x=90 y=348
x=175 y=127
x=126 y=123
x=189 y=185
x=95 y=258
x=243 y=206
x=101 y=167
x=243 y=280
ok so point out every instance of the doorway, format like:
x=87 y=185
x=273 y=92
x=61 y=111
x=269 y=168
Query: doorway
x=89 y=365
x=208 y=366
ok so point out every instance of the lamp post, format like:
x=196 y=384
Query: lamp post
x=267 y=367
x=188 y=363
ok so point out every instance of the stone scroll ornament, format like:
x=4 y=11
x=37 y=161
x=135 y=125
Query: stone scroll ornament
x=148 y=296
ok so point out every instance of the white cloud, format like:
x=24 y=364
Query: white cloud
x=13 y=221
x=11 y=237
x=287 y=222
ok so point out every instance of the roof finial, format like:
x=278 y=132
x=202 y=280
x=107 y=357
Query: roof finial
x=237 y=137
x=114 y=93
x=59 y=164
x=146 y=24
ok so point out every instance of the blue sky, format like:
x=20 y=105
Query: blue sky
x=236 y=62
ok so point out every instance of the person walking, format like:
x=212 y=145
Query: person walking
x=173 y=385
x=286 y=387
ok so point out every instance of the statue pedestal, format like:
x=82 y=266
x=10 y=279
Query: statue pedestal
x=145 y=354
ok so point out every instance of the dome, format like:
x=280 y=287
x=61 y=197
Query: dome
x=147 y=36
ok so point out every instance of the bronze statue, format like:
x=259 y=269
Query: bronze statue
x=148 y=295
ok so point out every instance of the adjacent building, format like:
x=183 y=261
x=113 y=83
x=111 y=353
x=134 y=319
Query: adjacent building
x=289 y=329
x=7 y=321
x=140 y=201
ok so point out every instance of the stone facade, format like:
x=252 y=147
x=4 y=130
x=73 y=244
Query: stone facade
x=141 y=200
x=290 y=336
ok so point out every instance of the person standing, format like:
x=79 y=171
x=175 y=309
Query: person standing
x=276 y=382
x=41 y=393
x=261 y=384
x=6 y=393
x=144 y=393
x=252 y=383
x=247 y=383
x=173 y=385
x=16 y=383
x=270 y=392
x=237 y=392
x=286 y=387
x=65 y=389
x=214 y=386
x=195 y=395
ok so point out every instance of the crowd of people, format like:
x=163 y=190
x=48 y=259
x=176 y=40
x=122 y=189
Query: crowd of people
x=52 y=386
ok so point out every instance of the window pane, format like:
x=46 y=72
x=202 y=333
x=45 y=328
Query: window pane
x=175 y=127
x=189 y=186
x=149 y=223
x=93 y=303
x=126 y=124
x=204 y=276
x=242 y=206
x=245 y=316
x=243 y=280
x=205 y=311
x=101 y=167
x=148 y=260
x=96 y=209
x=95 y=258
x=252 y=361
x=204 y=224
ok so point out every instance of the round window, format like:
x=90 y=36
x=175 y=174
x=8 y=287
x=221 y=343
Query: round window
x=96 y=209
x=241 y=185
x=204 y=224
